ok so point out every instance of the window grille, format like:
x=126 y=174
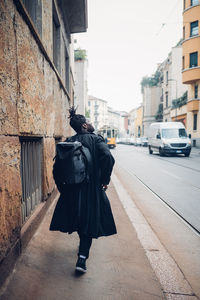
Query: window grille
x=34 y=9
x=31 y=175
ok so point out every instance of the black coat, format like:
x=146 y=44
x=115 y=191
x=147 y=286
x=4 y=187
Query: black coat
x=85 y=208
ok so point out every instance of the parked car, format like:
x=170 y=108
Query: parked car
x=144 y=141
x=138 y=142
x=132 y=141
x=169 y=138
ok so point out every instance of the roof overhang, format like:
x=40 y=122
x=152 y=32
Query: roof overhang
x=76 y=12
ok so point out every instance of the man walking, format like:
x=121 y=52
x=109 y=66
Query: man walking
x=85 y=208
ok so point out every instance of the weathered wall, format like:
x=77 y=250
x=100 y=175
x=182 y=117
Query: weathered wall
x=49 y=153
x=8 y=71
x=32 y=103
x=10 y=193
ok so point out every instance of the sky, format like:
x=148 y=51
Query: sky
x=125 y=41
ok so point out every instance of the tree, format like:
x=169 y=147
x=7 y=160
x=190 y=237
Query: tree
x=150 y=80
x=87 y=114
x=80 y=54
x=176 y=103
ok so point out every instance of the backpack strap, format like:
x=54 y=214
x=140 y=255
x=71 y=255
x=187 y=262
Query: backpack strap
x=88 y=156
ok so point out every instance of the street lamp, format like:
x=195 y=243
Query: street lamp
x=171 y=79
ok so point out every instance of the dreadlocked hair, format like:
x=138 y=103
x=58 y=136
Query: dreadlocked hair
x=76 y=120
x=72 y=112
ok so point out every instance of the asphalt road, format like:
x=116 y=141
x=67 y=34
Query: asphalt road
x=175 y=180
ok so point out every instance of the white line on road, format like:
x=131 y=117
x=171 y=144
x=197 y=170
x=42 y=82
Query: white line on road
x=171 y=174
x=167 y=271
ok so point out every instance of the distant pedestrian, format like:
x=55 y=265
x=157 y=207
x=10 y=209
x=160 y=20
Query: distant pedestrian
x=85 y=208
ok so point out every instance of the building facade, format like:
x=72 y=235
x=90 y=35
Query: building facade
x=171 y=81
x=131 y=122
x=81 y=86
x=139 y=122
x=191 y=66
x=152 y=98
x=98 y=112
x=164 y=92
x=36 y=90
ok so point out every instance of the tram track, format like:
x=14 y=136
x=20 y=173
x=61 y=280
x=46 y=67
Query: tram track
x=180 y=216
x=140 y=165
x=175 y=163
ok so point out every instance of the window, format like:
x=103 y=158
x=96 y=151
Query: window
x=88 y=103
x=194 y=28
x=196 y=91
x=184 y=4
x=167 y=77
x=34 y=9
x=174 y=133
x=161 y=97
x=56 y=40
x=183 y=32
x=139 y=131
x=183 y=62
x=194 y=2
x=67 y=70
x=195 y=122
x=193 y=59
x=166 y=98
x=31 y=175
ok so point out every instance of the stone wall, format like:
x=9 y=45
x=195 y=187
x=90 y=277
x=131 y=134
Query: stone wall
x=10 y=193
x=32 y=103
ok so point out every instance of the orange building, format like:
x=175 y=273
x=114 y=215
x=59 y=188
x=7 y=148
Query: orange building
x=191 y=65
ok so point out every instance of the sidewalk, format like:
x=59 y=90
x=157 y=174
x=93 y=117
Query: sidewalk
x=117 y=268
x=195 y=151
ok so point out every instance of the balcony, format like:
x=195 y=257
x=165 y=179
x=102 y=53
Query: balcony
x=190 y=75
x=193 y=105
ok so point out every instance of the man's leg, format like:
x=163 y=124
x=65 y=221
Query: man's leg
x=83 y=253
x=84 y=246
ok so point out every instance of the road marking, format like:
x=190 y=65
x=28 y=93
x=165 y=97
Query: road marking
x=171 y=174
x=166 y=269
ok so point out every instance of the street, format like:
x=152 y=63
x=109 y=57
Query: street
x=175 y=180
x=154 y=255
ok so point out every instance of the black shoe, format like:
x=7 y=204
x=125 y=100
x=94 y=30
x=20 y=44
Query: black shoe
x=81 y=265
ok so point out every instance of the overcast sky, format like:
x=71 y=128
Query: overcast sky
x=125 y=41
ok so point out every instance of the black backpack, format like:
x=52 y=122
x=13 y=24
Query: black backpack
x=72 y=163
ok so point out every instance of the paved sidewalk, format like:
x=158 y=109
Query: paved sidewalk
x=195 y=151
x=117 y=268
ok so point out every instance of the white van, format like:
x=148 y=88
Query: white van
x=168 y=138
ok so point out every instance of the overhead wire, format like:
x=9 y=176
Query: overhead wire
x=166 y=23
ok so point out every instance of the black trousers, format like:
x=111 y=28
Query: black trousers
x=85 y=244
